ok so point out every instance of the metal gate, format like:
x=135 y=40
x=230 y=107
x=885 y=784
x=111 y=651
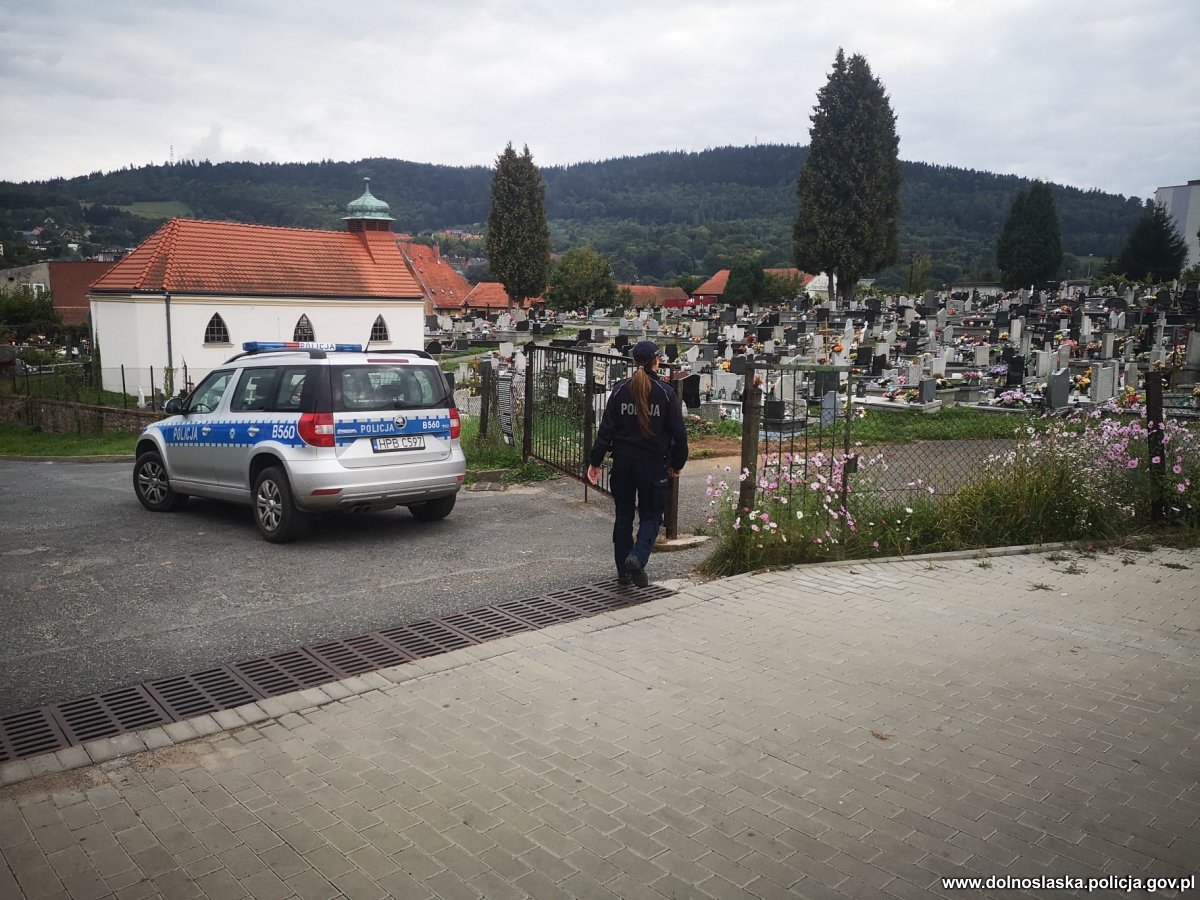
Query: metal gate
x=565 y=392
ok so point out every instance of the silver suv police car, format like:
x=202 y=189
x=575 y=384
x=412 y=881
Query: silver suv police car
x=298 y=428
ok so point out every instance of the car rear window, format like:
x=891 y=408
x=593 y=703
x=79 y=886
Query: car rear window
x=383 y=386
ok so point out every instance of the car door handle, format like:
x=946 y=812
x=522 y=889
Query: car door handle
x=205 y=430
x=252 y=431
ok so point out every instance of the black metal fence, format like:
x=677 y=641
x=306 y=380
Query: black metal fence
x=565 y=392
x=126 y=387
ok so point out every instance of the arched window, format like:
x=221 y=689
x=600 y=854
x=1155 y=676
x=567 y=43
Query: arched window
x=304 y=330
x=379 y=330
x=216 y=332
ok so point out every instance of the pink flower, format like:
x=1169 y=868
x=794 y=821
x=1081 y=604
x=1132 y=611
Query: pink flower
x=1131 y=464
x=1180 y=488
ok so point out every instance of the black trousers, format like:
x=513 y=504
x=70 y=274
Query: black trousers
x=640 y=485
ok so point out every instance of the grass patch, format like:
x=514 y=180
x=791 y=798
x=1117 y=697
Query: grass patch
x=25 y=440
x=953 y=424
x=495 y=454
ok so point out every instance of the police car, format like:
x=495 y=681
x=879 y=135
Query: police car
x=297 y=428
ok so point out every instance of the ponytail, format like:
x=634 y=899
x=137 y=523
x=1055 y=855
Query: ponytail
x=640 y=386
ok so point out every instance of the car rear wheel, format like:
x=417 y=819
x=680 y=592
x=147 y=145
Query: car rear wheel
x=432 y=510
x=275 y=513
x=152 y=486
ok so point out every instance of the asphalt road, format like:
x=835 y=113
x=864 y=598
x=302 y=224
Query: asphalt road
x=97 y=593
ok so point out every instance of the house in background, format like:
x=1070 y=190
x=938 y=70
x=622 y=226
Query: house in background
x=491 y=297
x=648 y=295
x=66 y=280
x=195 y=290
x=713 y=290
x=444 y=288
x=1182 y=202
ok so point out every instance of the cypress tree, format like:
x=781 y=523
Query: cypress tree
x=1029 y=251
x=518 y=238
x=849 y=183
x=1155 y=250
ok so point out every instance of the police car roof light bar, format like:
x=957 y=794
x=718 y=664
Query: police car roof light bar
x=314 y=349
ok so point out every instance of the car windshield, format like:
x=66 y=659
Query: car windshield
x=382 y=386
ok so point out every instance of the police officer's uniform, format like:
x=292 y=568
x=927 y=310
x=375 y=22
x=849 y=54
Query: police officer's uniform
x=639 y=471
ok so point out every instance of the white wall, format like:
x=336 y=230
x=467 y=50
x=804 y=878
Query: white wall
x=1183 y=203
x=133 y=332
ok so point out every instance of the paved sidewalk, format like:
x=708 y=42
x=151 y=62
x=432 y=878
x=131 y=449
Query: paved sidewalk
x=835 y=731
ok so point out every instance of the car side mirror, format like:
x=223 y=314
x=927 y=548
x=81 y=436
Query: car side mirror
x=174 y=406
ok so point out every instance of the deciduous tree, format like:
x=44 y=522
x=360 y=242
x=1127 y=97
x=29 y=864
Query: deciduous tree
x=746 y=283
x=849 y=183
x=582 y=277
x=1029 y=251
x=518 y=238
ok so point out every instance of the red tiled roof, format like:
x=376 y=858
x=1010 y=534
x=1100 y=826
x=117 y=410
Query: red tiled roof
x=69 y=282
x=651 y=295
x=714 y=285
x=717 y=284
x=201 y=257
x=444 y=288
x=491 y=295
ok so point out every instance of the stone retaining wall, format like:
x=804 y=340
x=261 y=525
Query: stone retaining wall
x=64 y=417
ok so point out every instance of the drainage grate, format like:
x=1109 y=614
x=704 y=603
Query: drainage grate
x=284 y=673
x=204 y=692
x=107 y=714
x=51 y=728
x=29 y=733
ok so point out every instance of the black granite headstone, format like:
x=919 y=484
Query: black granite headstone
x=1016 y=372
x=689 y=390
x=862 y=356
x=765 y=332
x=672 y=351
x=927 y=390
x=739 y=365
x=433 y=348
x=878 y=364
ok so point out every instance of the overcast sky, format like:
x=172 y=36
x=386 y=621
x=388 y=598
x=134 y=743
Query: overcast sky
x=1093 y=93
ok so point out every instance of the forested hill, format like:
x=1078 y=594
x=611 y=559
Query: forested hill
x=656 y=216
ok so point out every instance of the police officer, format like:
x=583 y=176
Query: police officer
x=643 y=427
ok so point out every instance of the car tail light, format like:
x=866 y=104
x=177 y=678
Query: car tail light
x=455 y=424
x=316 y=429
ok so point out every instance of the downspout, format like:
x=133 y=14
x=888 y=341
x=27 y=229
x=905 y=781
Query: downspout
x=170 y=352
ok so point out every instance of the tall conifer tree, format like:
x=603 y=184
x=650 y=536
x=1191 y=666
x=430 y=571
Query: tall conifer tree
x=1029 y=251
x=849 y=183
x=518 y=238
x=1155 y=250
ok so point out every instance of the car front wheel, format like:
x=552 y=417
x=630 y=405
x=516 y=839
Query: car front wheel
x=432 y=510
x=152 y=486
x=275 y=513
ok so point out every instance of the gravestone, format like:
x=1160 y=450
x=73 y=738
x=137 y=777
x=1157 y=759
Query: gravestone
x=739 y=365
x=725 y=385
x=878 y=362
x=993 y=335
x=914 y=374
x=1015 y=328
x=825 y=382
x=829 y=408
x=862 y=357
x=1104 y=384
x=692 y=354
x=672 y=351
x=1106 y=345
x=1016 y=373
x=689 y=390
x=1058 y=389
x=948 y=334
x=1191 y=356
x=433 y=347
x=937 y=367
x=1042 y=361
x=1130 y=377
x=1064 y=356
x=941 y=318
x=927 y=388
x=982 y=355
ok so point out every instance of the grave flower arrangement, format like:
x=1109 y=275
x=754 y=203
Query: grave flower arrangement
x=1014 y=399
x=1080 y=383
x=838 y=347
x=1129 y=399
x=906 y=395
x=972 y=377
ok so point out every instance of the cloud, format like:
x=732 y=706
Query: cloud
x=1092 y=93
